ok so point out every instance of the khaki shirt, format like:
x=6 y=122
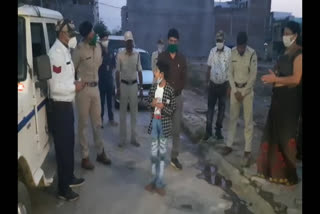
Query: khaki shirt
x=87 y=60
x=243 y=69
x=154 y=59
x=128 y=65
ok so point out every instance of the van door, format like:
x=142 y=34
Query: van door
x=39 y=47
x=28 y=141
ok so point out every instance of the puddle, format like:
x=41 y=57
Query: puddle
x=209 y=173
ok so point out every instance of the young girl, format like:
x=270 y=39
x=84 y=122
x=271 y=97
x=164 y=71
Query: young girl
x=162 y=102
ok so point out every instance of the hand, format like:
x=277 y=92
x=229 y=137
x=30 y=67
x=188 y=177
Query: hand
x=154 y=102
x=238 y=96
x=79 y=86
x=118 y=92
x=228 y=91
x=141 y=92
x=269 y=78
x=160 y=105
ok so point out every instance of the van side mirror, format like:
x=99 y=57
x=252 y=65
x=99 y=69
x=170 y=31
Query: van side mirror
x=42 y=67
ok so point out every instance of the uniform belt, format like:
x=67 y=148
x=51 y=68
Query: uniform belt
x=157 y=116
x=240 y=85
x=91 y=84
x=129 y=82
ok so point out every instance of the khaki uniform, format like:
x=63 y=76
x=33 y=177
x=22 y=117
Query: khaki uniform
x=128 y=66
x=154 y=59
x=242 y=76
x=87 y=60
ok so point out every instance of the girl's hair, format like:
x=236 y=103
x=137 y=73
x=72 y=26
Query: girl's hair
x=295 y=28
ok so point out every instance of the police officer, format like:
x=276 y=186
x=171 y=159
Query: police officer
x=155 y=54
x=106 y=78
x=242 y=76
x=127 y=65
x=87 y=58
x=62 y=87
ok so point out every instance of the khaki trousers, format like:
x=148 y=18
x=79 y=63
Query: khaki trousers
x=88 y=104
x=248 y=119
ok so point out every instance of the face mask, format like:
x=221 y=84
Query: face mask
x=160 y=48
x=287 y=41
x=93 y=41
x=219 y=45
x=159 y=80
x=72 y=42
x=105 y=43
x=129 y=45
x=172 y=48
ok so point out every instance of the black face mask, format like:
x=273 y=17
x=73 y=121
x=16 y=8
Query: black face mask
x=129 y=45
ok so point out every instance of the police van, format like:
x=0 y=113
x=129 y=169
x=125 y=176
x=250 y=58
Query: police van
x=36 y=34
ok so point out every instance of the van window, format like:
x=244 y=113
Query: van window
x=145 y=61
x=51 y=33
x=37 y=37
x=22 y=73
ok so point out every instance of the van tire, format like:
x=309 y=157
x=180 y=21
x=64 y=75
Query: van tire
x=23 y=199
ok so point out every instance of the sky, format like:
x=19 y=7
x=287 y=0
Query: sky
x=111 y=15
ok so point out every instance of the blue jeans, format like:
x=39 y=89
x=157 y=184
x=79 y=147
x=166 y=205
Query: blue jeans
x=158 y=153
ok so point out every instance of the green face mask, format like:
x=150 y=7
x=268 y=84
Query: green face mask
x=173 y=48
x=93 y=42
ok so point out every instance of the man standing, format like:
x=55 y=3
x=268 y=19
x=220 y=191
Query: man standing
x=62 y=87
x=242 y=76
x=87 y=58
x=127 y=65
x=106 y=78
x=156 y=53
x=177 y=77
x=217 y=78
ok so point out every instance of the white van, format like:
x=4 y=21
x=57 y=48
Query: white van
x=36 y=34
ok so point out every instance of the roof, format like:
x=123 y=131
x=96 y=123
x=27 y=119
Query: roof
x=30 y=10
x=281 y=15
x=136 y=49
x=112 y=37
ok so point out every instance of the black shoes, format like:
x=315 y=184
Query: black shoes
x=76 y=182
x=219 y=135
x=176 y=164
x=69 y=195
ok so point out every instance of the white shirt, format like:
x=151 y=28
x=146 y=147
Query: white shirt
x=158 y=95
x=62 y=87
x=219 y=62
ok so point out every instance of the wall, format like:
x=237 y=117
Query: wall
x=150 y=20
x=254 y=20
x=84 y=10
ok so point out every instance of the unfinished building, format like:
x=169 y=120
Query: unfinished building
x=197 y=22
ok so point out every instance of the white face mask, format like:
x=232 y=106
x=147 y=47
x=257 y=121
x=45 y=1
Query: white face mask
x=159 y=80
x=72 y=42
x=105 y=43
x=219 y=45
x=287 y=40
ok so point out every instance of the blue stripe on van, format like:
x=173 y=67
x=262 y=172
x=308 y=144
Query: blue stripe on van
x=26 y=119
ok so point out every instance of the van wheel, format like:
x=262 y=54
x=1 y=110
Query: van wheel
x=24 y=204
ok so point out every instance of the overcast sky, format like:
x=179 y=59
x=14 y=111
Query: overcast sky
x=111 y=15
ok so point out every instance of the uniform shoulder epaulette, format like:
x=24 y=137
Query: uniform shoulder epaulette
x=251 y=50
